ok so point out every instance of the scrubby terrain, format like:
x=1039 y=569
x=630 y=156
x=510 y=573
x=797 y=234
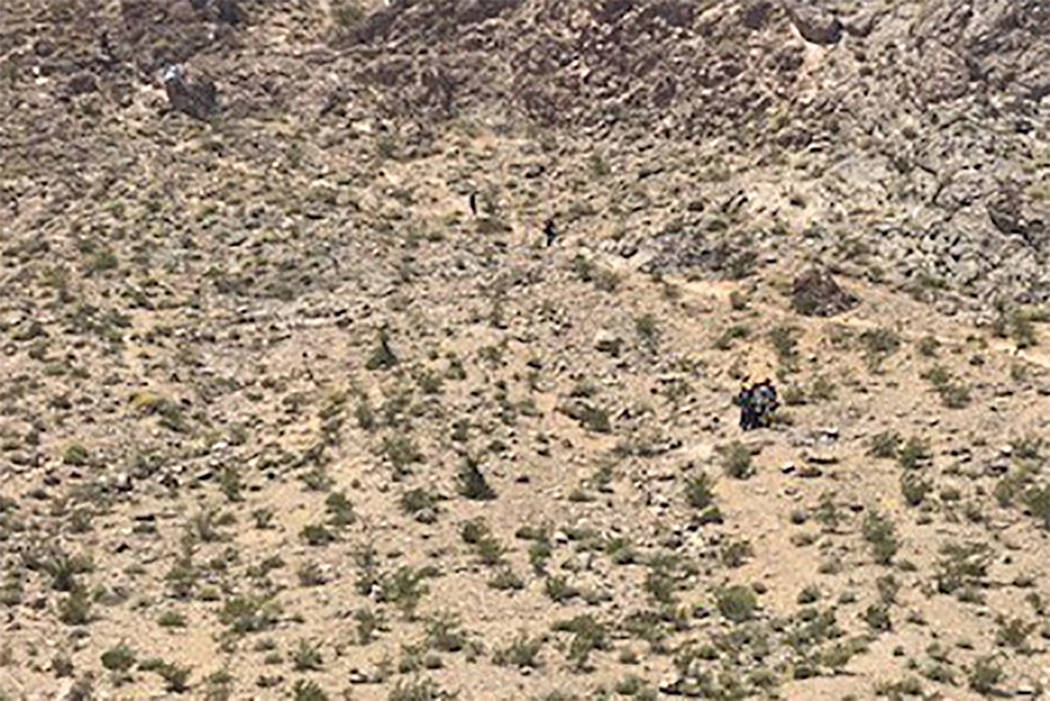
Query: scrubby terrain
x=282 y=417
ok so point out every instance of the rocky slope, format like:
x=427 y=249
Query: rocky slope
x=283 y=417
x=915 y=128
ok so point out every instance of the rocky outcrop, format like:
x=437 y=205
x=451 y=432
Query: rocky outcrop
x=906 y=120
x=815 y=293
x=1011 y=213
x=1003 y=44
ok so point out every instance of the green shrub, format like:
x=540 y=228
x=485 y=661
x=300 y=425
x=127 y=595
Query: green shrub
x=881 y=533
x=737 y=602
x=119 y=659
x=472 y=483
x=736 y=460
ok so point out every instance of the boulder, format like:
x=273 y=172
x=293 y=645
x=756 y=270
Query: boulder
x=229 y=11
x=816 y=293
x=816 y=25
x=82 y=83
x=754 y=13
x=198 y=100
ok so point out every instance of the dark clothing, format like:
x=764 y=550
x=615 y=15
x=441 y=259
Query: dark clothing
x=746 y=401
x=550 y=231
x=757 y=404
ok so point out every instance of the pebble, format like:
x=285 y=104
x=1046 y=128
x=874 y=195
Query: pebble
x=123 y=482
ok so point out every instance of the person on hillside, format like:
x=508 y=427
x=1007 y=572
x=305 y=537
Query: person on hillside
x=550 y=231
x=746 y=401
x=757 y=403
x=766 y=402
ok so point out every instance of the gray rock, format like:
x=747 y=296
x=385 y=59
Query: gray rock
x=198 y=99
x=754 y=13
x=82 y=83
x=815 y=24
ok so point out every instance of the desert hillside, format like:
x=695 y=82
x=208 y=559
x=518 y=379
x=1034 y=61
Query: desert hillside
x=299 y=399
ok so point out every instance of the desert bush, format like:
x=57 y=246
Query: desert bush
x=881 y=533
x=737 y=603
x=472 y=483
x=736 y=460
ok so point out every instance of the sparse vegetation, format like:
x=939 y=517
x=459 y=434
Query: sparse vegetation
x=408 y=371
x=881 y=533
x=737 y=603
x=736 y=461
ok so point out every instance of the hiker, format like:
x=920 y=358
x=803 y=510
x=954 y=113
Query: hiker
x=757 y=404
x=550 y=231
x=746 y=401
x=765 y=402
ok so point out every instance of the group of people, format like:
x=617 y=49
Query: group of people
x=757 y=404
x=550 y=230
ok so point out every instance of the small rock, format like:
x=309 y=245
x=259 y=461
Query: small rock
x=426 y=515
x=788 y=468
x=998 y=468
x=608 y=342
x=810 y=472
x=82 y=83
x=122 y=482
x=672 y=686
